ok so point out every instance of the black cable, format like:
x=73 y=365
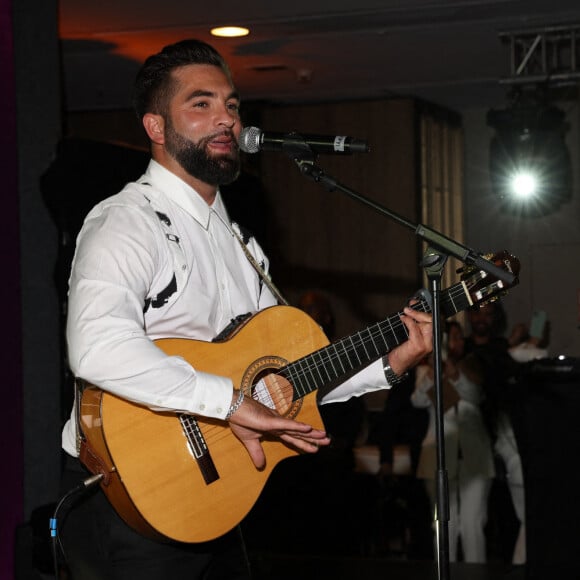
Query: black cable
x=82 y=487
x=245 y=551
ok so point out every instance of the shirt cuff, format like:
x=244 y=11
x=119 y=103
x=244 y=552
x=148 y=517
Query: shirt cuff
x=212 y=396
x=371 y=378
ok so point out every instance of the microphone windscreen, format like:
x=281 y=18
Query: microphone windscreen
x=250 y=139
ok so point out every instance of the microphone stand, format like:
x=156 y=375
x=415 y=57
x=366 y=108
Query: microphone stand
x=439 y=249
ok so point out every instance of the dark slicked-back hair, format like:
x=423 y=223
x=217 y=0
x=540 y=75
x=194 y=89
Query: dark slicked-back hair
x=154 y=85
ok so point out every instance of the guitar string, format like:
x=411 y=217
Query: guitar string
x=357 y=351
x=214 y=433
x=374 y=332
x=356 y=347
x=302 y=372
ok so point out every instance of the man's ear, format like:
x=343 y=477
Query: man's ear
x=155 y=127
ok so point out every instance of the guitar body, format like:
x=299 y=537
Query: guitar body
x=154 y=481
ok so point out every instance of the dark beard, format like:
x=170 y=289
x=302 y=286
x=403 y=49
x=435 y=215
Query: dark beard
x=193 y=157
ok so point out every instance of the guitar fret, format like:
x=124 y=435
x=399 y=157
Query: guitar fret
x=377 y=351
x=323 y=364
x=339 y=358
x=367 y=357
x=383 y=337
x=388 y=321
x=334 y=371
x=301 y=376
x=342 y=347
x=363 y=354
x=355 y=352
x=317 y=368
x=291 y=374
x=305 y=373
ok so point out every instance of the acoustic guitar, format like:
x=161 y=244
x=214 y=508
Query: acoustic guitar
x=188 y=478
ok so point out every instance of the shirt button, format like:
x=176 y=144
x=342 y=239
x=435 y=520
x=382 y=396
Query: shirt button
x=219 y=410
x=202 y=407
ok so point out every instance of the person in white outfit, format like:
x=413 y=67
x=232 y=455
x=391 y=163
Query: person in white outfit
x=499 y=358
x=468 y=454
x=523 y=348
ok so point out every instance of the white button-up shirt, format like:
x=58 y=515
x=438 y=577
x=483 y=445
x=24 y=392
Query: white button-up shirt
x=155 y=261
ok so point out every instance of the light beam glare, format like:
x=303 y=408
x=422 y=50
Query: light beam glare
x=524 y=184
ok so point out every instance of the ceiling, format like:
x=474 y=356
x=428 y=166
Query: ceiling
x=446 y=51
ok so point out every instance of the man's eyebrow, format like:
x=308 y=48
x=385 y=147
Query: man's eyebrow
x=200 y=93
x=205 y=93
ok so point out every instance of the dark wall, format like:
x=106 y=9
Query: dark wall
x=31 y=397
x=11 y=384
x=546 y=423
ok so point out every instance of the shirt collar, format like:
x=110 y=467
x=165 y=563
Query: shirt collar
x=183 y=194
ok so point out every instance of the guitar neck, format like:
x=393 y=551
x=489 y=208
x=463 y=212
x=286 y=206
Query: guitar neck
x=339 y=360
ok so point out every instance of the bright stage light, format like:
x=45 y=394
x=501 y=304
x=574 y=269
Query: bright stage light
x=530 y=167
x=524 y=184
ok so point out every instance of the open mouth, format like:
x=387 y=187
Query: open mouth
x=223 y=142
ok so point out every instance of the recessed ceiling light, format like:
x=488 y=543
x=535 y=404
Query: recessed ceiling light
x=230 y=31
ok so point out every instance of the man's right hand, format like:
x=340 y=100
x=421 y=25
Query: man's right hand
x=253 y=420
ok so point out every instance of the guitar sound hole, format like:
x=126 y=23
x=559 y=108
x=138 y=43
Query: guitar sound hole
x=275 y=392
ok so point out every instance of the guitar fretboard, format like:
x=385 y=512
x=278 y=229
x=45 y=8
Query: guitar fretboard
x=348 y=355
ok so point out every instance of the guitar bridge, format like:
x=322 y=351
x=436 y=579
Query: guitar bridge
x=199 y=448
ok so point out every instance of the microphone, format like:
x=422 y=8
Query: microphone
x=253 y=140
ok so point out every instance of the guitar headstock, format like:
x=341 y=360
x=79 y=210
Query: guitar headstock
x=482 y=286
